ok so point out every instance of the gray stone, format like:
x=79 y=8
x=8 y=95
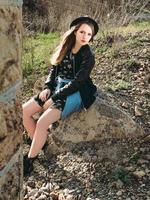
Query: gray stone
x=139 y=174
x=102 y=121
x=119 y=193
x=42 y=197
x=31 y=184
x=32 y=192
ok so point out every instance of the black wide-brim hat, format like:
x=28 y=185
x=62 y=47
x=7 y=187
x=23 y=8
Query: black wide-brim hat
x=85 y=19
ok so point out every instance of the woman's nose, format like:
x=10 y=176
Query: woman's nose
x=84 y=35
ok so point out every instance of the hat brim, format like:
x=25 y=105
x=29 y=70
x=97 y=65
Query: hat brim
x=85 y=19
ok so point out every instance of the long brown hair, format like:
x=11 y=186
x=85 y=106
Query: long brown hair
x=67 y=43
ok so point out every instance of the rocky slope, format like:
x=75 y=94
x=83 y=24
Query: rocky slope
x=122 y=70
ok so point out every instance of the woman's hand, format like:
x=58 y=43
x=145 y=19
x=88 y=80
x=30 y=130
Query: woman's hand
x=44 y=94
x=47 y=104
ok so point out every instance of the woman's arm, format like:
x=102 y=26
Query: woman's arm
x=50 y=81
x=81 y=76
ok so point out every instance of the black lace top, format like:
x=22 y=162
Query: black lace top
x=66 y=67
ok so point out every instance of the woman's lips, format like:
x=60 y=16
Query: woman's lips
x=82 y=40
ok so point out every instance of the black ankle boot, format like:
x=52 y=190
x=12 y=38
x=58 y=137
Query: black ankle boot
x=27 y=165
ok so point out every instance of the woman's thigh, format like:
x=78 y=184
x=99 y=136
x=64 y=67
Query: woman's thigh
x=31 y=107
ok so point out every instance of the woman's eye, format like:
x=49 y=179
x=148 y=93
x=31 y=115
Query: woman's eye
x=89 y=34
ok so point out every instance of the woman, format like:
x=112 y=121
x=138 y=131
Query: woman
x=68 y=87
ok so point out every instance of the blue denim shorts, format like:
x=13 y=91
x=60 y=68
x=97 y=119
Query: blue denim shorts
x=73 y=101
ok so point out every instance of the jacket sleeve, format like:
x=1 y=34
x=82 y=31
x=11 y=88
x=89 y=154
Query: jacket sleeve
x=50 y=81
x=82 y=75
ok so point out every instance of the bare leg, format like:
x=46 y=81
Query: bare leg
x=48 y=117
x=29 y=109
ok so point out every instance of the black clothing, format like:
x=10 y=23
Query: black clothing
x=65 y=72
x=66 y=67
x=27 y=165
x=83 y=62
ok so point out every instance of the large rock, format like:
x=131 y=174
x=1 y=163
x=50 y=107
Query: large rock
x=102 y=122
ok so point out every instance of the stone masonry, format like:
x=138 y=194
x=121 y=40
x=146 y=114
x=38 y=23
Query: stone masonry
x=10 y=109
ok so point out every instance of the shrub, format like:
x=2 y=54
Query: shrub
x=120 y=173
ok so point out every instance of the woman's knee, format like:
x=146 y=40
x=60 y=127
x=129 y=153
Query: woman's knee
x=30 y=108
x=40 y=125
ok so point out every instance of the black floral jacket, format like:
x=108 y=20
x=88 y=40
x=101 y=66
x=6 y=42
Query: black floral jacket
x=83 y=64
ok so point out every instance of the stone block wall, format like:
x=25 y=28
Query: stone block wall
x=10 y=108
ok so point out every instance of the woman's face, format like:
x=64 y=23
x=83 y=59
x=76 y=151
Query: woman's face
x=83 y=34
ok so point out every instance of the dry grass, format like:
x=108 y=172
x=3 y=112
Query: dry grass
x=50 y=15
